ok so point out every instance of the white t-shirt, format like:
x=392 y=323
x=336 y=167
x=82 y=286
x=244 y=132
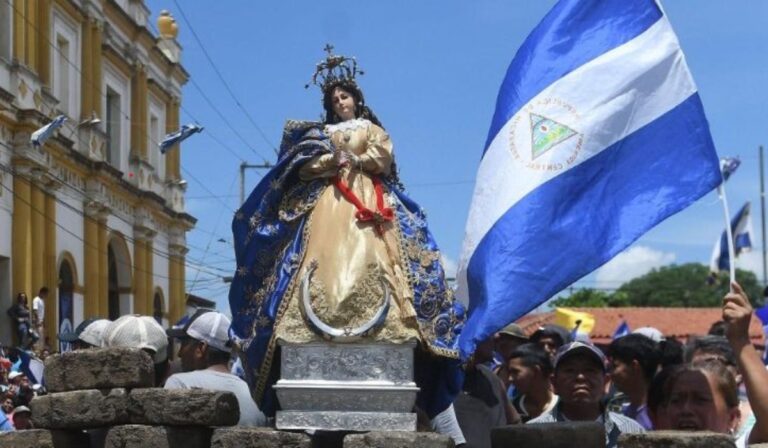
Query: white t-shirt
x=250 y=415
x=38 y=306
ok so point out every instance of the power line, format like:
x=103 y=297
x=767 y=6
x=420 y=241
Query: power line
x=210 y=240
x=219 y=113
x=221 y=77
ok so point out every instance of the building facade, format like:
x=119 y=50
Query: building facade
x=96 y=214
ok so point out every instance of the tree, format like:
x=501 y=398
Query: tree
x=683 y=285
x=686 y=286
x=591 y=298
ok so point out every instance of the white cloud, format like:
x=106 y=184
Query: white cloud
x=632 y=263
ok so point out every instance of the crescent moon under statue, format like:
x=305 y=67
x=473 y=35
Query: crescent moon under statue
x=347 y=334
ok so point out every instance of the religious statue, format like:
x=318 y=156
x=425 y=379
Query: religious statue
x=330 y=248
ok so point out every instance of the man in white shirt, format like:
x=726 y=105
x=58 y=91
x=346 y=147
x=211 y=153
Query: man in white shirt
x=205 y=354
x=38 y=316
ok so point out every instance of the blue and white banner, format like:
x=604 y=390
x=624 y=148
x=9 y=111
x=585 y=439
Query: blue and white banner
x=39 y=137
x=622 y=330
x=598 y=135
x=741 y=228
x=729 y=165
x=179 y=136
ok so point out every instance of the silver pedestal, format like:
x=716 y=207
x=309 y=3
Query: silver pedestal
x=345 y=387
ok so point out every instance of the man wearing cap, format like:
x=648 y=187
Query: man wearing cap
x=143 y=332
x=205 y=352
x=22 y=418
x=551 y=337
x=579 y=381
x=89 y=334
x=504 y=343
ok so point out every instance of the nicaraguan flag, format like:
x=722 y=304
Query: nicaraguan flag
x=741 y=228
x=179 y=136
x=622 y=330
x=598 y=135
x=39 y=137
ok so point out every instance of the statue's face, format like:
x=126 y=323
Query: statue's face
x=343 y=104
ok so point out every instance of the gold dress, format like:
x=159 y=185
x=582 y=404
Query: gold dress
x=352 y=257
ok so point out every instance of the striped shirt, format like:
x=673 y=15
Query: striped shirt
x=615 y=424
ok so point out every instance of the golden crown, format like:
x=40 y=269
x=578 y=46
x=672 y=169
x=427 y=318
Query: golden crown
x=334 y=70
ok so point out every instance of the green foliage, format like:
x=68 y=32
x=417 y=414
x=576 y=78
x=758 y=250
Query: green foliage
x=669 y=286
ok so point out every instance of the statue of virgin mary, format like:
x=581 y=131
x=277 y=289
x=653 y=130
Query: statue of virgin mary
x=330 y=230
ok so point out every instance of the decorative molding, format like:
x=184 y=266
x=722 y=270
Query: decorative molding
x=352 y=362
x=348 y=421
x=342 y=396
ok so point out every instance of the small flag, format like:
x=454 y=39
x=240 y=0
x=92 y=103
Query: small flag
x=598 y=135
x=179 y=136
x=621 y=330
x=39 y=137
x=728 y=166
x=741 y=227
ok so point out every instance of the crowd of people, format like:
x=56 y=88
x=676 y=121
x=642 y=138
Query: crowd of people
x=204 y=361
x=639 y=382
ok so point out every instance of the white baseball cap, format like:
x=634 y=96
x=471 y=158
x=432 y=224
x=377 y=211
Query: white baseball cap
x=136 y=331
x=206 y=326
x=94 y=333
x=652 y=333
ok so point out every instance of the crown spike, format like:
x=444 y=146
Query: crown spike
x=334 y=69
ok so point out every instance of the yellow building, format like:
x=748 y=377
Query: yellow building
x=97 y=213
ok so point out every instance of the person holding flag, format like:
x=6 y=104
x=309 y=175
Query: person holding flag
x=598 y=135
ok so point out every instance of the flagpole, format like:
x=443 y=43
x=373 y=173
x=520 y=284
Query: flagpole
x=729 y=235
x=762 y=212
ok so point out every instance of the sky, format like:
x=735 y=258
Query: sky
x=432 y=72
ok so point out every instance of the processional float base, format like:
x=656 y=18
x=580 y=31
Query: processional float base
x=346 y=387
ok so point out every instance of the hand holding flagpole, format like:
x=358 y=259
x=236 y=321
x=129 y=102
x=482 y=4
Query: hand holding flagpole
x=727 y=167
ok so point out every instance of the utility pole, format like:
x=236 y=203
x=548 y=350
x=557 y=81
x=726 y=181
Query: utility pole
x=762 y=211
x=243 y=167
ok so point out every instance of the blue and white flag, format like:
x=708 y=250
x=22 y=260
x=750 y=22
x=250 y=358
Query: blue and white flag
x=598 y=135
x=729 y=165
x=741 y=228
x=622 y=330
x=179 y=136
x=39 y=137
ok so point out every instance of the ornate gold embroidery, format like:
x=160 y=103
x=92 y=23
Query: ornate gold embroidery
x=357 y=308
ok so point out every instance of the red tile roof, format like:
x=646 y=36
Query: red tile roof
x=678 y=322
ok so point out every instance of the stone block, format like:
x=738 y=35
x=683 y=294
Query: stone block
x=183 y=407
x=103 y=368
x=258 y=438
x=395 y=439
x=43 y=438
x=141 y=436
x=80 y=409
x=550 y=435
x=31 y=438
x=676 y=439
